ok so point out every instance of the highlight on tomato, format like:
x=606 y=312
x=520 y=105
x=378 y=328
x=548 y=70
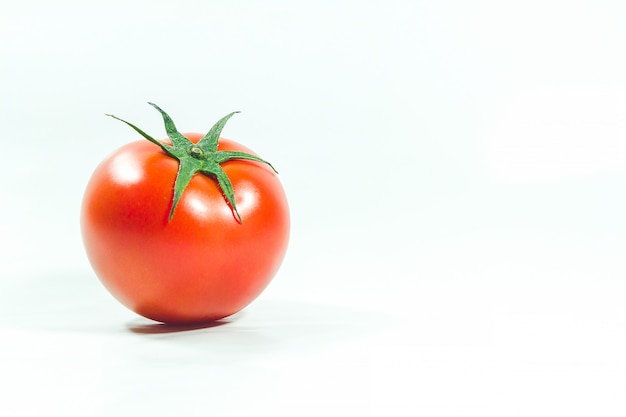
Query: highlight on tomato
x=188 y=229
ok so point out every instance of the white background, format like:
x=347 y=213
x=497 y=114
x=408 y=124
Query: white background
x=456 y=172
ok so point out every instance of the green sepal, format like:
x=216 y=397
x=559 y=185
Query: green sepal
x=210 y=141
x=186 y=170
x=202 y=157
x=227 y=188
x=223 y=156
x=166 y=148
x=178 y=140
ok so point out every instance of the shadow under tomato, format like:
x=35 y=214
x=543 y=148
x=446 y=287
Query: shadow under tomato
x=162 y=328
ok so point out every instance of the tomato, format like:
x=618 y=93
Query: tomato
x=203 y=261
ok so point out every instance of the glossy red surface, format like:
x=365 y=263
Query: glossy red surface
x=203 y=264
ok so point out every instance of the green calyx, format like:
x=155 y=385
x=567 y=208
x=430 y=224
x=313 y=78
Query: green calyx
x=200 y=157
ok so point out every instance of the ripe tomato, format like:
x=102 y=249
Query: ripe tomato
x=198 y=263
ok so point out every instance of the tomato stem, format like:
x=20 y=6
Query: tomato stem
x=202 y=157
x=196 y=152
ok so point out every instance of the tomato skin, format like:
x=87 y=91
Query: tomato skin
x=201 y=265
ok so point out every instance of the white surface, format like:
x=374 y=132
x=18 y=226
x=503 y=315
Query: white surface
x=456 y=174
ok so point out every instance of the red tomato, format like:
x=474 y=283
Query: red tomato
x=200 y=265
